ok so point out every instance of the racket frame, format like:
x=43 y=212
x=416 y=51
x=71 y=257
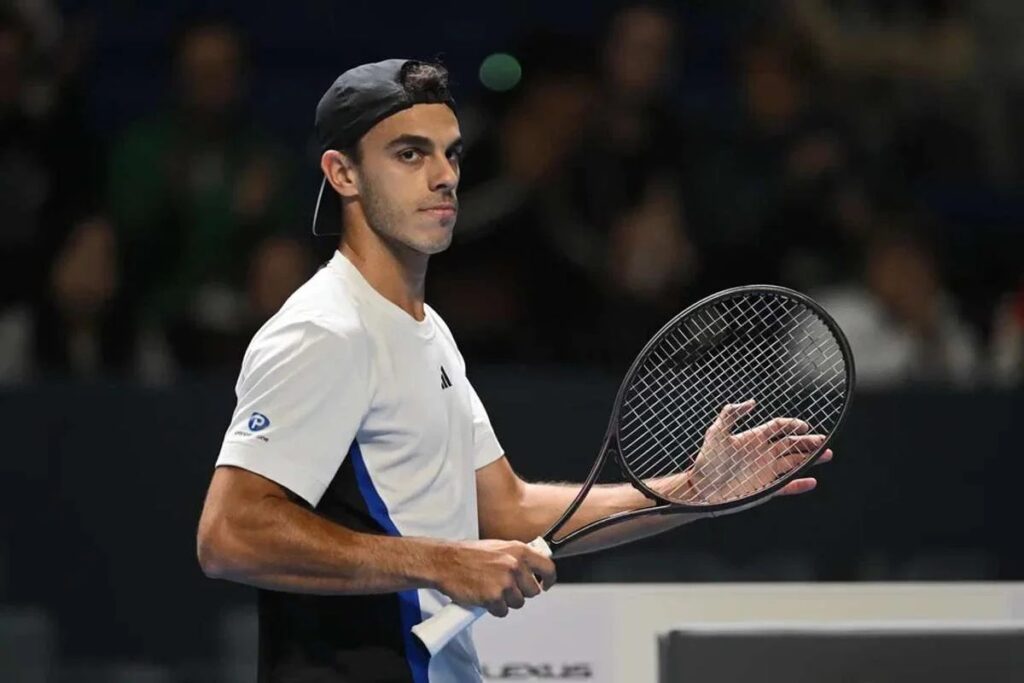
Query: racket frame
x=663 y=506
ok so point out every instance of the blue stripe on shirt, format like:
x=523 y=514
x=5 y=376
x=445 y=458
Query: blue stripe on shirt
x=409 y=601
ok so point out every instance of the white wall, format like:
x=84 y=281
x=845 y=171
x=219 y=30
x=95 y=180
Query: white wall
x=611 y=630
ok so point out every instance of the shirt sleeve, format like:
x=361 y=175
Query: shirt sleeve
x=486 y=448
x=302 y=394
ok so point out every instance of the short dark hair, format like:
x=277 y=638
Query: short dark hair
x=418 y=79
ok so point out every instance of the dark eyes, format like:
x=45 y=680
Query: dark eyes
x=411 y=155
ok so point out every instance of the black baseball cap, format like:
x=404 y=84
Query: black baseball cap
x=357 y=101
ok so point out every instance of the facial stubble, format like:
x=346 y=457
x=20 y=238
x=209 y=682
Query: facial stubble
x=385 y=218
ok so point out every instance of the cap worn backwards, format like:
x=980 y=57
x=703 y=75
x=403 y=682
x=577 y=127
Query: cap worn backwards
x=358 y=100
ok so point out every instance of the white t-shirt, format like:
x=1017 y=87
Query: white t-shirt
x=365 y=413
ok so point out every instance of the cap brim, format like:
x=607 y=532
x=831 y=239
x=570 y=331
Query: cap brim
x=327 y=214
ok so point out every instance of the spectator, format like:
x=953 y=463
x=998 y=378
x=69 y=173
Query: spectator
x=23 y=179
x=193 y=191
x=919 y=58
x=784 y=177
x=480 y=285
x=41 y=127
x=277 y=266
x=81 y=331
x=909 y=39
x=901 y=322
x=615 y=217
x=277 y=269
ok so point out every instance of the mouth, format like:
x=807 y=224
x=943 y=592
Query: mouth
x=441 y=211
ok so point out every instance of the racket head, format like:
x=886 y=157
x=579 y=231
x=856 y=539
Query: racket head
x=762 y=342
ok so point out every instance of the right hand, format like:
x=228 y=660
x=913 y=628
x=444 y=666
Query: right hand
x=497 y=575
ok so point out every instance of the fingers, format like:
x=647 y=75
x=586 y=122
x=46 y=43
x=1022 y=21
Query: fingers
x=766 y=469
x=527 y=583
x=513 y=597
x=805 y=444
x=498 y=575
x=782 y=456
x=781 y=467
x=531 y=572
x=798 y=486
x=497 y=607
x=723 y=424
x=773 y=429
x=796 y=458
x=785 y=464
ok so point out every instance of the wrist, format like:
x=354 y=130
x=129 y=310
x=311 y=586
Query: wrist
x=437 y=561
x=636 y=499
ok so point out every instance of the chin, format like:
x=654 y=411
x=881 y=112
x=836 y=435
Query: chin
x=436 y=247
x=432 y=241
x=427 y=247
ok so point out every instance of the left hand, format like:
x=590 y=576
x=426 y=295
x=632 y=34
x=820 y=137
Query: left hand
x=775 y=448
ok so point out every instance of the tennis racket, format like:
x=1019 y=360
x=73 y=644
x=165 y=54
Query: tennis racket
x=733 y=398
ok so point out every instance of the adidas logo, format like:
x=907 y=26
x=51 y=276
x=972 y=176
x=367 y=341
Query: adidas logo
x=445 y=382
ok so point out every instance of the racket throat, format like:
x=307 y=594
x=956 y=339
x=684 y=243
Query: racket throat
x=609 y=450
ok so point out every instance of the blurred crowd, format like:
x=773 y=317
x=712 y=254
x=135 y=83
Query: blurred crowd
x=869 y=153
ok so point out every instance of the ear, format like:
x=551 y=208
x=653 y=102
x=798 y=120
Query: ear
x=340 y=172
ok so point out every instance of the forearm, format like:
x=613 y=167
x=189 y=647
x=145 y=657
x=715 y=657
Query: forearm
x=279 y=545
x=537 y=506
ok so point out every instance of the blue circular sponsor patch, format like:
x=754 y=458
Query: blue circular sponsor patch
x=258 y=421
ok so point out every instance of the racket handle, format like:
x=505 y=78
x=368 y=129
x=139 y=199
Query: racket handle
x=452 y=619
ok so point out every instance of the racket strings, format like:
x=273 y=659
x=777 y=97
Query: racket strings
x=722 y=483
x=647 y=458
x=665 y=382
x=720 y=476
x=723 y=474
x=720 y=471
x=708 y=415
x=769 y=348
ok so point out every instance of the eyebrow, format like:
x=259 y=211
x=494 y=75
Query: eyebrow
x=421 y=142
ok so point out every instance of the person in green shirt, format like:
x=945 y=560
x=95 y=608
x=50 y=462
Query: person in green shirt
x=195 y=192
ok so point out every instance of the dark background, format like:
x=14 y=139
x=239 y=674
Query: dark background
x=157 y=177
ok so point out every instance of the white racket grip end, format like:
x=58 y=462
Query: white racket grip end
x=541 y=546
x=449 y=622
x=452 y=619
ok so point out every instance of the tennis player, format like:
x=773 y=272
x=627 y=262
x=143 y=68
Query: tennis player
x=360 y=472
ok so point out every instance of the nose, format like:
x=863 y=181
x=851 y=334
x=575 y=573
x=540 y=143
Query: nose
x=444 y=175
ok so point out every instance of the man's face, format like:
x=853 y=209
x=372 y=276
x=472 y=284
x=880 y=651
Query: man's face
x=209 y=67
x=408 y=175
x=639 y=50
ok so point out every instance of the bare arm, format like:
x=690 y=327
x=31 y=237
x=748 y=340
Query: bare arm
x=251 y=532
x=514 y=509
x=511 y=508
